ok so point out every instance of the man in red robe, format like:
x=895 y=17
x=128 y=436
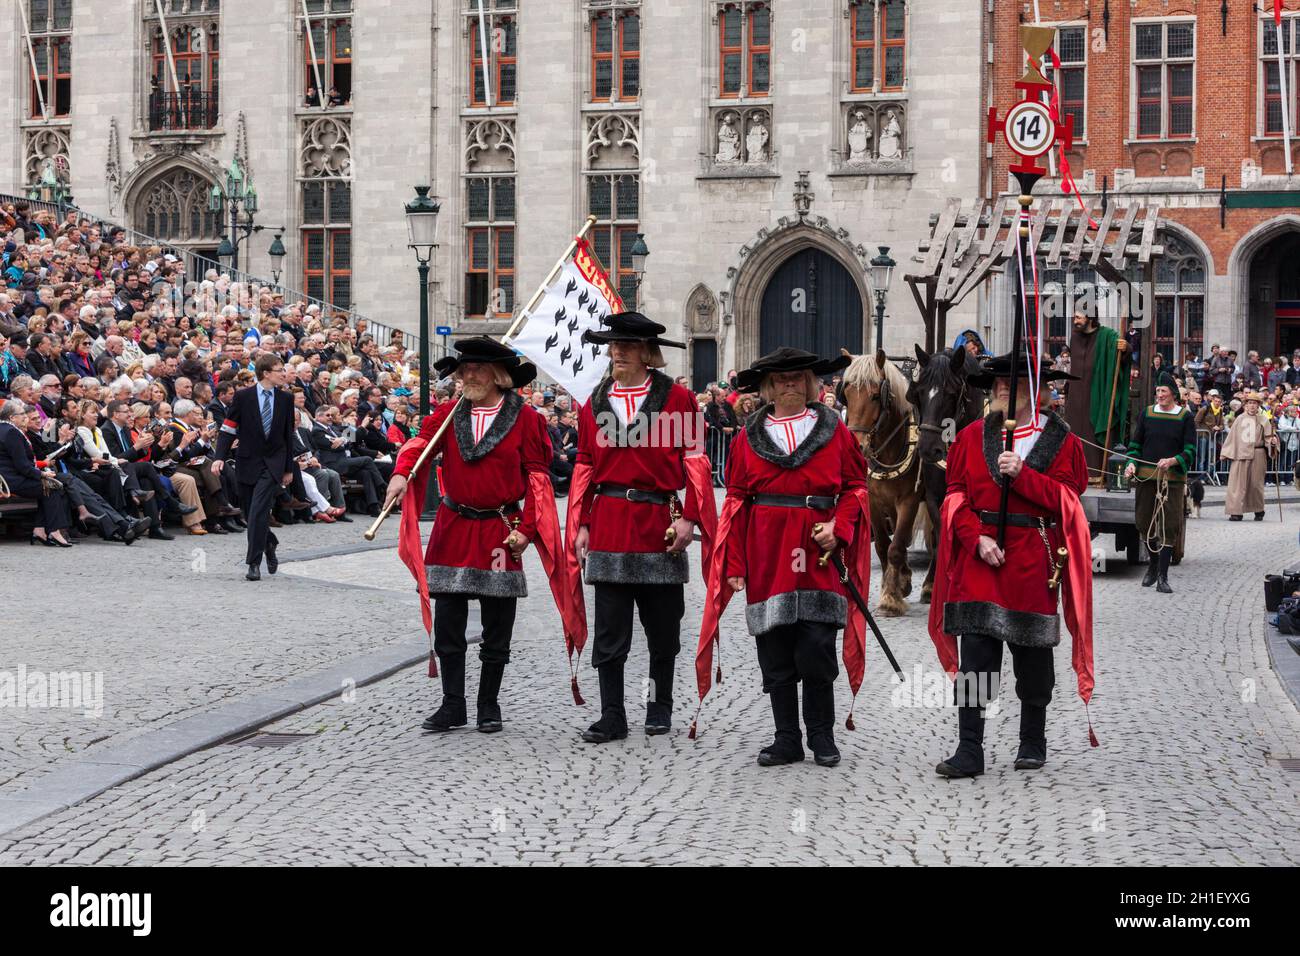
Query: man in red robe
x=640 y=437
x=796 y=489
x=991 y=595
x=492 y=506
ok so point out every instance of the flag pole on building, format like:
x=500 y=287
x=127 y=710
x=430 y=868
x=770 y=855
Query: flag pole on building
x=1281 y=77
x=483 y=52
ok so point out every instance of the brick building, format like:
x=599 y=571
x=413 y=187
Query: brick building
x=1177 y=102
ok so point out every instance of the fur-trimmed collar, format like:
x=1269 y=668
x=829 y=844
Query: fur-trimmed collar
x=765 y=448
x=511 y=403
x=653 y=403
x=1040 y=456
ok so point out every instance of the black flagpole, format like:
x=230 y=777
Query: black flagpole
x=1026 y=181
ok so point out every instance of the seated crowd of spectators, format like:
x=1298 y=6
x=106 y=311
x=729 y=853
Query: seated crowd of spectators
x=116 y=369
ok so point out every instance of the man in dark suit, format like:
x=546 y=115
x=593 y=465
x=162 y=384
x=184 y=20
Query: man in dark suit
x=261 y=418
x=336 y=450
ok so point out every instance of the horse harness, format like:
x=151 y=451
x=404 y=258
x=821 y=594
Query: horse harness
x=875 y=469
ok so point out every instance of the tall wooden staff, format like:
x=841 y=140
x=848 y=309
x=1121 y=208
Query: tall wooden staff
x=1114 y=387
x=1030 y=132
x=523 y=314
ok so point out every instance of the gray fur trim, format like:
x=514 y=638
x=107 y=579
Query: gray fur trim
x=448 y=580
x=1041 y=455
x=660 y=386
x=825 y=607
x=761 y=442
x=636 y=567
x=510 y=405
x=1025 y=628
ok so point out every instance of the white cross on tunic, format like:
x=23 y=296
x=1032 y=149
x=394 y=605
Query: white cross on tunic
x=626 y=402
x=483 y=417
x=789 y=433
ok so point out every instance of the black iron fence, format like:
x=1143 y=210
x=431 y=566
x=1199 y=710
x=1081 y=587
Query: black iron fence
x=188 y=109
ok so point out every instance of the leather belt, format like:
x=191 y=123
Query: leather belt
x=814 y=502
x=1017 y=519
x=634 y=494
x=479 y=514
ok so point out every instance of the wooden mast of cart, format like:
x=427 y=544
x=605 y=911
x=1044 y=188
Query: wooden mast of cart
x=1029 y=130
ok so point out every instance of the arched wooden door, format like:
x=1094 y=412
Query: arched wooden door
x=811 y=303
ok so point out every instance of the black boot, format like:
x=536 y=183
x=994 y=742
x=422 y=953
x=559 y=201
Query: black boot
x=1033 y=737
x=613 y=718
x=1259 y=516
x=659 y=708
x=452 y=712
x=1153 y=559
x=786 y=747
x=489 y=686
x=968 y=761
x=819 y=719
x=1162 y=584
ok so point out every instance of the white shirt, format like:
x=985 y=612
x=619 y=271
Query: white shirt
x=482 y=417
x=1026 y=438
x=626 y=402
x=789 y=432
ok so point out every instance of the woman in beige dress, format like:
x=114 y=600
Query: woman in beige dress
x=1251 y=440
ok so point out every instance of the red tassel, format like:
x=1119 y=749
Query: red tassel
x=577 y=695
x=718 y=676
x=1092 y=735
x=848 y=722
x=433 y=665
x=691 y=734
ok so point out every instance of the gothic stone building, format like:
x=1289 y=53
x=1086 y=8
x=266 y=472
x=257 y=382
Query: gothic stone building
x=765 y=150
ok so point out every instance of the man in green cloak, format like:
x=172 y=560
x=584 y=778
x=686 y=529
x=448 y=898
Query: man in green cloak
x=1099 y=400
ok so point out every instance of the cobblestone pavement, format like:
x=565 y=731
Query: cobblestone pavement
x=174 y=629
x=1189 y=716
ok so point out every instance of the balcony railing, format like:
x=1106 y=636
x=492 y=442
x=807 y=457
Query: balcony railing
x=187 y=110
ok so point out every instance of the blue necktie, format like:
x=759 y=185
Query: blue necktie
x=266 y=414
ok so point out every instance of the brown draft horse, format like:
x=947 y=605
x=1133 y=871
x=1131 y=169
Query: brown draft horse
x=874 y=394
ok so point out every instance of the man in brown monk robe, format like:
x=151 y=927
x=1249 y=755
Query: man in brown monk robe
x=1094 y=352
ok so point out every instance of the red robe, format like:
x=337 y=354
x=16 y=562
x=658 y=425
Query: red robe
x=467 y=555
x=626 y=543
x=1013 y=602
x=776 y=555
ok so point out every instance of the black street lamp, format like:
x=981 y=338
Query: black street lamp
x=242 y=198
x=422 y=229
x=639 y=253
x=225 y=252
x=277 y=254
x=882 y=270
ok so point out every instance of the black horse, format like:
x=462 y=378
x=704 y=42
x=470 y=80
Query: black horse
x=947 y=402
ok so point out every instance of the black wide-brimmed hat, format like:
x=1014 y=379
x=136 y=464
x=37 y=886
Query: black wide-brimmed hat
x=1167 y=380
x=786 y=359
x=482 y=349
x=630 y=327
x=991 y=369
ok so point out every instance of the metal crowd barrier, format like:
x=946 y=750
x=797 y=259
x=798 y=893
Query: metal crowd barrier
x=1213 y=470
x=717 y=444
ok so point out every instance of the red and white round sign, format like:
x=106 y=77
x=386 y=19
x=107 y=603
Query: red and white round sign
x=1029 y=128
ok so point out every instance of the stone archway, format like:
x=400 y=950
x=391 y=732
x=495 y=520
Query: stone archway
x=760 y=261
x=1239 y=268
x=168 y=201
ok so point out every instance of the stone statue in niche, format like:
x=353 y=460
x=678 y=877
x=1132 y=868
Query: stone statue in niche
x=891 y=137
x=728 y=142
x=756 y=143
x=859 y=139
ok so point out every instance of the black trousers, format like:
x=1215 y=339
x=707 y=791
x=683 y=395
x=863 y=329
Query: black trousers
x=660 y=607
x=53 y=512
x=801 y=651
x=365 y=471
x=981 y=667
x=256 y=499
x=450 y=614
